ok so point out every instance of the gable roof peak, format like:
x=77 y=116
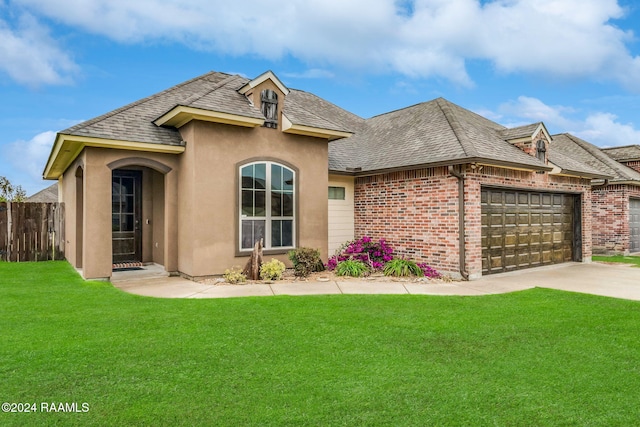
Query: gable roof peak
x=267 y=75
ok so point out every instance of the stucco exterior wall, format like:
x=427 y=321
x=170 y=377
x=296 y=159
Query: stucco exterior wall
x=209 y=193
x=96 y=247
x=611 y=218
x=417 y=211
x=341 y=213
x=68 y=194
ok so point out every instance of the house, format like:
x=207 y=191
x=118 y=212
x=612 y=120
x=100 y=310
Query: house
x=620 y=211
x=48 y=195
x=191 y=177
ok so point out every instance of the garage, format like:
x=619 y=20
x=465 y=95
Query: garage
x=524 y=229
x=634 y=225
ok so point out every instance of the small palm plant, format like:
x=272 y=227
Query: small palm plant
x=351 y=267
x=401 y=267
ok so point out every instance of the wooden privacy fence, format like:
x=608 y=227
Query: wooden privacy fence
x=31 y=231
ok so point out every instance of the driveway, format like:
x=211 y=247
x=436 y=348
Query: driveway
x=612 y=280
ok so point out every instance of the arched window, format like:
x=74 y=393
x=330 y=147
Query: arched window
x=541 y=150
x=269 y=108
x=267 y=205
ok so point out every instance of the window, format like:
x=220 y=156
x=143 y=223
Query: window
x=541 y=150
x=267 y=209
x=269 y=108
x=336 y=193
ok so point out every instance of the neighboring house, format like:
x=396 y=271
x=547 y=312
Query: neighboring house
x=48 y=195
x=628 y=155
x=191 y=177
x=628 y=216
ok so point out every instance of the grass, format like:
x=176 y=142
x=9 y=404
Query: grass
x=537 y=357
x=635 y=260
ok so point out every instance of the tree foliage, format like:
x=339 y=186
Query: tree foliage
x=11 y=193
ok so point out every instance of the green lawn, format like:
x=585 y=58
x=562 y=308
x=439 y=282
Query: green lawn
x=538 y=357
x=635 y=260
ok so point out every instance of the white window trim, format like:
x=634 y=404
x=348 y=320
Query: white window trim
x=268 y=217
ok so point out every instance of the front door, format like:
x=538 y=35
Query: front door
x=126 y=198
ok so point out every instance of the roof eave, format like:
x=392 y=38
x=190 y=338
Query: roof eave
x=180 y=115
x=582 y=174
x=66 y=149
x=298 y=129
x=468 y=160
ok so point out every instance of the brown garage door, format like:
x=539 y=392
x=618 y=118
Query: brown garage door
x=634 y=225
x=522 y=229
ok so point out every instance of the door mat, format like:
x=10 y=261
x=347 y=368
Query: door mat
x=127 y=269
x=127 y=266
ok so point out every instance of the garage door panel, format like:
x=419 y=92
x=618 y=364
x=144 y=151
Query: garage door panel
x=525 y=229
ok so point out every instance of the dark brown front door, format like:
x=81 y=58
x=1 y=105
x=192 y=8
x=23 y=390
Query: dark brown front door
x=522 y=229
x=126 y=192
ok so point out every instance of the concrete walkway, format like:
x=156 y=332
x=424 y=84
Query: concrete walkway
x=613 y=280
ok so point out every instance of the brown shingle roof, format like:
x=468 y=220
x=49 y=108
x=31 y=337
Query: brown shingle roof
x=519 y=132
x=48 y=195
x=214 y=92
x=430 y=133
x=624 y=154
x=579 y=150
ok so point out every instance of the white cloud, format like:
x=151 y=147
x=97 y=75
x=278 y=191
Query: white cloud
x=29 y=157
x=605 y=130
x=29 y=55
x=312 y=73
x=599 y=128
x=421 y=38
x=530 y=110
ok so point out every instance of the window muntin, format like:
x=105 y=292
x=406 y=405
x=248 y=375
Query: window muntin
x=267 y=205
x=336 y=193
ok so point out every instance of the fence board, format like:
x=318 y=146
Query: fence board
x=31 y=231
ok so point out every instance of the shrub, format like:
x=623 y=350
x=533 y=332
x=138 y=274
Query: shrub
x=234 y=276
x=305 y=261
x=401 y=267
x=351 y=267
x=272 y=270
x=429 y=271
x=373 y=254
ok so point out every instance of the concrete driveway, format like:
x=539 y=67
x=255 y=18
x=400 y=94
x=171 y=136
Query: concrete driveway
x=612 y=280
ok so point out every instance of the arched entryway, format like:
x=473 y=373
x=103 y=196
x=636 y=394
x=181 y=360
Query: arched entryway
x=138 y=211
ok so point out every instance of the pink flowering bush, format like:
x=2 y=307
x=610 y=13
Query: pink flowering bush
x=373 y=254
x=429 y=271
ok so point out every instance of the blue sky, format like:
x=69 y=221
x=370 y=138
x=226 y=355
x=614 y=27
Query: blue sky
x=573 y=64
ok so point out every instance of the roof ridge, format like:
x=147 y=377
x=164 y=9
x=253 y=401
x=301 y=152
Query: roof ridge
x=603 y=158
x=467 y=147
x=216 y=86
x=136 y=103
x=621 y=146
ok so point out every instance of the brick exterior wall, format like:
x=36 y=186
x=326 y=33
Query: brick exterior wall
x=611 y=218
x=417 y=211
x=635 y=165
x=530 y=146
